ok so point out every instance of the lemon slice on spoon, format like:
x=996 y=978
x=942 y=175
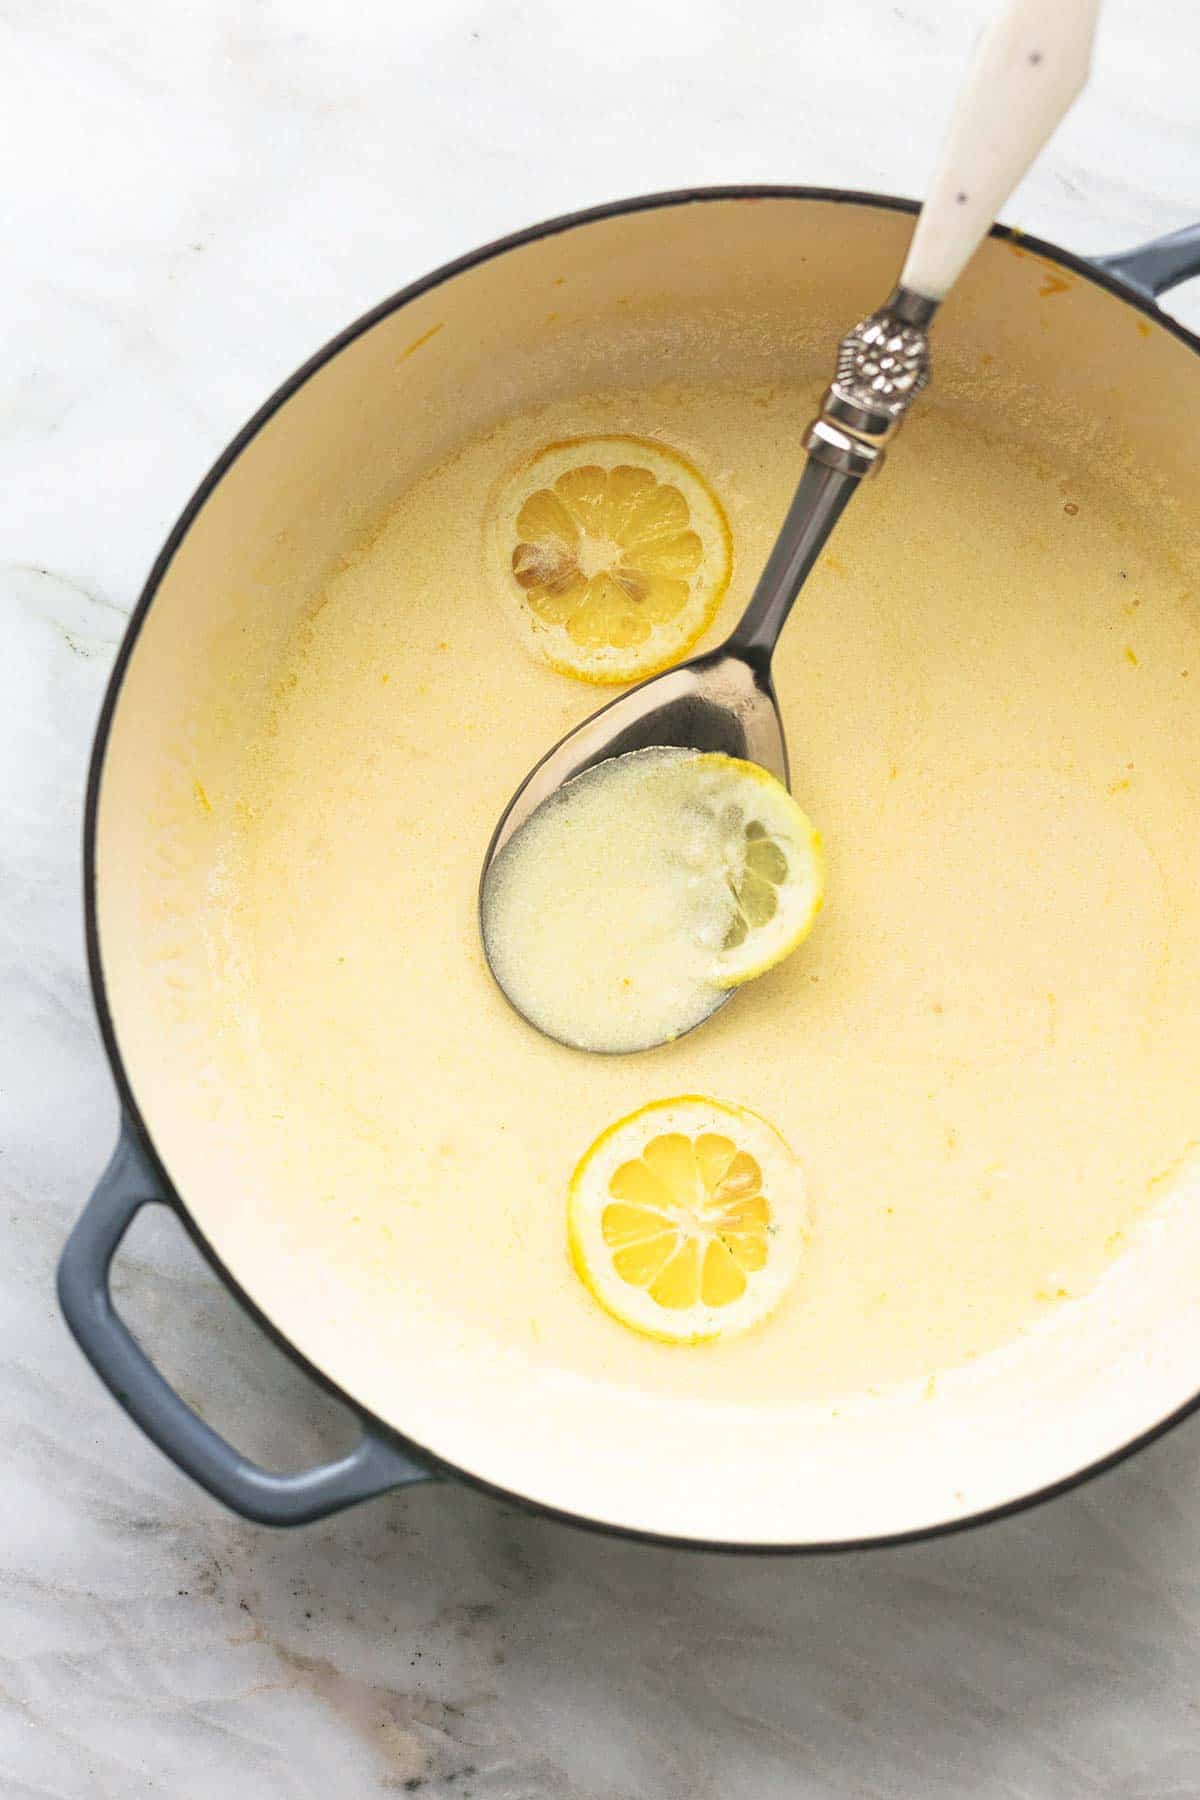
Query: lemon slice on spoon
x=771 y=858
x=628 y=905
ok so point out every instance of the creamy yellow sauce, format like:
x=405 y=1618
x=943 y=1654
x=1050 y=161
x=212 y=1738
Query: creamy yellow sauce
x=985 y=1055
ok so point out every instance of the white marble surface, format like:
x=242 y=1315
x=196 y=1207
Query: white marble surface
x=194 y=195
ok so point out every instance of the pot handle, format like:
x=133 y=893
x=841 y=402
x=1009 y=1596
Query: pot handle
x=1153 y=268
x=372 y=1467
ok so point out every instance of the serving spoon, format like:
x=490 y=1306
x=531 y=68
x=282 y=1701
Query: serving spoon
x=1030 y=67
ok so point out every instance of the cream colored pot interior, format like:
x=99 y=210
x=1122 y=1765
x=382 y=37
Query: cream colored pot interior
x=736 y=289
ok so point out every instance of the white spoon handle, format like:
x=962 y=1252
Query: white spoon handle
x=1028 y=70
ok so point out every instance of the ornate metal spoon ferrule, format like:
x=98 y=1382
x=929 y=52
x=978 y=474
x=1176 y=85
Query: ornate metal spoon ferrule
x=882 y=365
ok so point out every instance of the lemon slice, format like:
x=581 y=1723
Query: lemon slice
x=614 y=553
x=770 y=858
x=686 y=1220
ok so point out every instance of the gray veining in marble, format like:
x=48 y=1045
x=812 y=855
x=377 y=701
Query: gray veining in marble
x=193 y=197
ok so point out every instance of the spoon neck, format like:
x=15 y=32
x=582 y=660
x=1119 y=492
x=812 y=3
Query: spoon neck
x=818 y=503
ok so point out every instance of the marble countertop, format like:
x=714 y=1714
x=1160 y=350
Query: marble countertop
x=195 y=196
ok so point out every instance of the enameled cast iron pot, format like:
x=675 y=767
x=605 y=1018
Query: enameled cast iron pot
x=535 y=315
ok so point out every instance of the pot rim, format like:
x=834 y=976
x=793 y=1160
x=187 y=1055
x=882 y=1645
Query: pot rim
x=131 y=1114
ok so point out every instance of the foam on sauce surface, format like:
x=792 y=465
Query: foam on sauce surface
x=985 y=1056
